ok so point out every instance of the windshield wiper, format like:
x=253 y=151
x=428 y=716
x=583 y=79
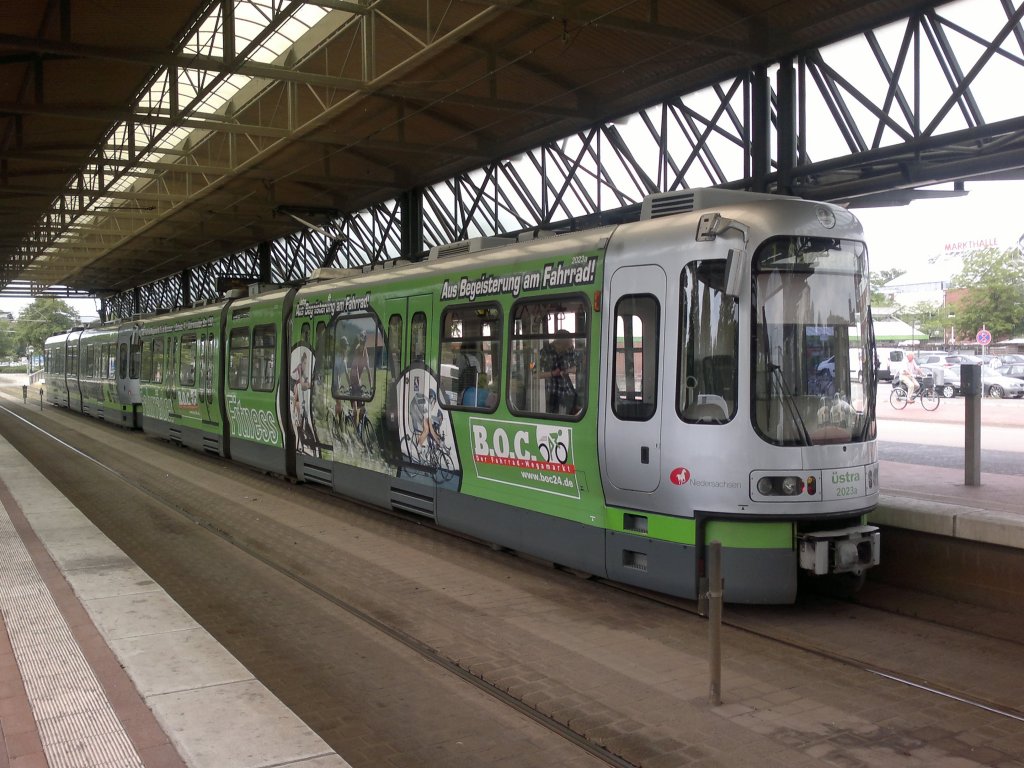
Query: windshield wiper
x=790 y=402
x=787 y=397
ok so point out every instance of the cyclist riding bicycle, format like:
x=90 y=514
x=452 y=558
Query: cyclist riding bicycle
x=908 y=376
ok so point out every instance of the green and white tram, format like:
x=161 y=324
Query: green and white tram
x=610 y=400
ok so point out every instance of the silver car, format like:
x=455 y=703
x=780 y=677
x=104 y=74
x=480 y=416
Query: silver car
x=946 y=370
x=998 y=384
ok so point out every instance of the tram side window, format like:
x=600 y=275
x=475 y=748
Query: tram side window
x=170 y=353
x=72 y=358
x=238 y=359
x=122 y=360
x=358 y=346
x=135 y=368
x=418 y=339
x=153 y=361
x=548 y=357
x=394 y=346
x=187 y=369
x=264 y=360
x=471 y=356
x=323 y=349
x=709 y=345
x=636 y=358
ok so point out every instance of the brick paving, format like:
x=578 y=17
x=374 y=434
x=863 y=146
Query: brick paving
x=628 y=673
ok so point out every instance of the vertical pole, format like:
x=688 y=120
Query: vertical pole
x=972 y=440
x=715 y=621
x=972 y=387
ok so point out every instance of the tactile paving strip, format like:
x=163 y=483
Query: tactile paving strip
x=77 y=725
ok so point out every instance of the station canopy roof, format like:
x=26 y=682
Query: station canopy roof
x=139 y=139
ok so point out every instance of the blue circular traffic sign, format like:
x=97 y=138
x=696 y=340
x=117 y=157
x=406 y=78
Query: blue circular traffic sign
x=984 y=337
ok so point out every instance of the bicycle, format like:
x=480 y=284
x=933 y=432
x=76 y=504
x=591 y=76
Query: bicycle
x=363 y=428
x=433 y=453
x=926 y=394
x=554 y=449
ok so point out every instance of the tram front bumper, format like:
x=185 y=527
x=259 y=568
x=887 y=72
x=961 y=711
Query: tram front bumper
x=845 y=550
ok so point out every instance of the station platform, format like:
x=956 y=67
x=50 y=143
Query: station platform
x=102 y=668
x=932 y=499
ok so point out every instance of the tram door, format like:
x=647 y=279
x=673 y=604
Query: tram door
x=632 y=438
x=409 y=395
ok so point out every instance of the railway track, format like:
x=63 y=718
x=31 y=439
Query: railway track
x=837 y=633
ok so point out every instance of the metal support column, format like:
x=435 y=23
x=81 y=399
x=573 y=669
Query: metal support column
x=412 y=222
x=186 y=287
x=760 y=129
x=786 y=125
x=263 y=256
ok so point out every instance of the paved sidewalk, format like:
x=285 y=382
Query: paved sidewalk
x=101 y=669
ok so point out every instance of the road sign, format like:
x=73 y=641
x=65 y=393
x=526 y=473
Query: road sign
x=984 y=337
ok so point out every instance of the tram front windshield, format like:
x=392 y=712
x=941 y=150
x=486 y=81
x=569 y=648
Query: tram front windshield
x=813 y=374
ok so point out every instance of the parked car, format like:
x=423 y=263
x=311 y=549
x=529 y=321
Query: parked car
x=1011 y=359
x=997 y=384
x=1014 y=370
x=890 y=362
x=945 y=367
x=946 y=370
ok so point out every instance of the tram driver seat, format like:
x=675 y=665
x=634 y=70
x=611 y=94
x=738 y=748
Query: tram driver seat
x=708 y=409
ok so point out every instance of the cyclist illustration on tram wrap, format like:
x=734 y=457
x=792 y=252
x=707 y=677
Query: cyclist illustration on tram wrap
x=425 y=430
x=553 y=449
x=301 y=413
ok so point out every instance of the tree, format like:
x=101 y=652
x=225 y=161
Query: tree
x=995 y=299
x=878 y=280
x=6 y=337
x=41 y=319
x=924 y=317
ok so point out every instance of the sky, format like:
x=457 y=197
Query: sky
x=906 y=237
x=88 y=309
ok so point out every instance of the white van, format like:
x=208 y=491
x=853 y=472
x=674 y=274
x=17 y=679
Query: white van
x=891 y=362
x=856 y=363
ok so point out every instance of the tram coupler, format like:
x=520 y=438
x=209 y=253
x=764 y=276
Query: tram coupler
x=845 y=550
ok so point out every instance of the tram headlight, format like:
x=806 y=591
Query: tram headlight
x=788 y=485
x=791 y=486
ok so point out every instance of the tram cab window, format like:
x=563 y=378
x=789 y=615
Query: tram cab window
x=809 y=295
x=549 y=358
x=708 y=345
x=635 y=396
x=471 y=357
